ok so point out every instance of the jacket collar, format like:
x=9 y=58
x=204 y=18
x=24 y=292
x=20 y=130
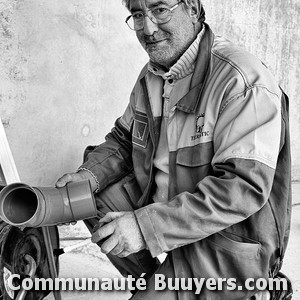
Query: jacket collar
x=189 y=102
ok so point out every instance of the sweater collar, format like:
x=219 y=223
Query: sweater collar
x=184 y=66
x=190 y=101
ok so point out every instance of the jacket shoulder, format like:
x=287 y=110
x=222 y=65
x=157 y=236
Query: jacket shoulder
x=244 y=64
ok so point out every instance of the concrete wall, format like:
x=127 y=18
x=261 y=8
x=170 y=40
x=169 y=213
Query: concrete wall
x=270 y=30
x=67 y=68
x=66 y=71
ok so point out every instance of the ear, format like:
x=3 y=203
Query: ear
x=194 y=10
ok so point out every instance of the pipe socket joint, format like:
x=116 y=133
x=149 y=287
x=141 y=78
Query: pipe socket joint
x=25 y=206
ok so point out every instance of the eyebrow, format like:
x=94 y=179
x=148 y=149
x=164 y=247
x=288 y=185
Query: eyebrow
x=132 y=10
x=159 y=3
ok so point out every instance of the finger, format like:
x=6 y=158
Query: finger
x=73 y=222
x=109 y=245
x=62 y=181
x=103 y=232
x=117 y=250
x=63 y=224
x=110 y=216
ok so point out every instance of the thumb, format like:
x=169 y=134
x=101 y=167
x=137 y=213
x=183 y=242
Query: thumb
x=69 y=177
x=63 y=180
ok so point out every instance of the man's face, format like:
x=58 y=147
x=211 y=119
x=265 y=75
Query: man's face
x=165 y=43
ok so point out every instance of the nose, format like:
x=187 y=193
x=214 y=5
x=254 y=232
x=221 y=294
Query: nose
x=149 y=27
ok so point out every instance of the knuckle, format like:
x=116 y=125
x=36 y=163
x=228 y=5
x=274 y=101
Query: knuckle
x=120 y=231
x=69 y=176
x=117 y=225
x=116 y=251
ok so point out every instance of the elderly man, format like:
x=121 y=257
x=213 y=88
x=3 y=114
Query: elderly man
x=198 y=166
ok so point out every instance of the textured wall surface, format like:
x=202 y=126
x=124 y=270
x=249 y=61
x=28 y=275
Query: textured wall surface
x=270 y=30
x=67 y=68
x=65 y=76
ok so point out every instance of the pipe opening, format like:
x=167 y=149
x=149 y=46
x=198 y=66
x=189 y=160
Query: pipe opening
x=20 y=205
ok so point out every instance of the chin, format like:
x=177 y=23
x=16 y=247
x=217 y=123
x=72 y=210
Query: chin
x=161 y=58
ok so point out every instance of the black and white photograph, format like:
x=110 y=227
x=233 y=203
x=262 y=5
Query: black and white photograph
x=149 y=149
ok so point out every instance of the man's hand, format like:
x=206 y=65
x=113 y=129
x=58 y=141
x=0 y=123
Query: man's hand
x=122 y=233
x=75 y=177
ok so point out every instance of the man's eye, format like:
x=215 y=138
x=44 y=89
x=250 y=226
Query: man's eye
x=160 y=11
x=137 y=16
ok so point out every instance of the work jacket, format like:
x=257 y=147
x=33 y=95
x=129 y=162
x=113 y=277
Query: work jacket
x=228 y=214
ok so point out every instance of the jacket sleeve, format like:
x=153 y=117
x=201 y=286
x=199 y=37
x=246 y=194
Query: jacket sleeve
x=246 y=145
x=112 y=160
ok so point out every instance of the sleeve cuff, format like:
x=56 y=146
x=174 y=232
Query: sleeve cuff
x=94 y=176
x=148 y=231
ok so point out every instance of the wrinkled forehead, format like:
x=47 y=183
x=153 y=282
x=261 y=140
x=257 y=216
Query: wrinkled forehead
x=143 y=4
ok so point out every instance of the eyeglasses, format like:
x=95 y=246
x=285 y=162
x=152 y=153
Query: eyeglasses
x=158 y=15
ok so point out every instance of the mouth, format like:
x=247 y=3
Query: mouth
x=154 y=43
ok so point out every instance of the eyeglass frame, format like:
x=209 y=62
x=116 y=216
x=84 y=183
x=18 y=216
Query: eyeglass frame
x=171 y=9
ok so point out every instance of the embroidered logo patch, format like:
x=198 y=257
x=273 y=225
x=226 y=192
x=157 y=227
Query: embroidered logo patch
x=140 y=129
x=200 y=132
x=200 y=123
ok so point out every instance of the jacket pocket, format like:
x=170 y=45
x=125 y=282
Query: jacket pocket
x=120 y=196
x=227 y=256
x=195 y=156
x=235 y=244
x=192 y=165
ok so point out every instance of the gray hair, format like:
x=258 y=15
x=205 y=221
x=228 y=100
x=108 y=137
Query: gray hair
x=187 y=3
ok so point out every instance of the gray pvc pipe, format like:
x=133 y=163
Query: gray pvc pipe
x=25 y=206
